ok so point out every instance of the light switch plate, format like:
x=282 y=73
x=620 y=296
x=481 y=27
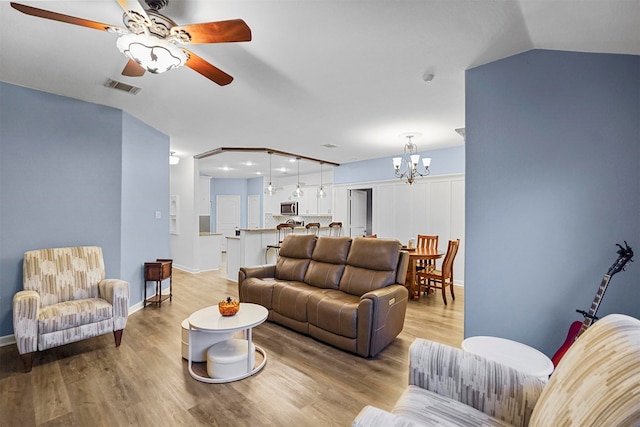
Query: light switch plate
x=158 y=214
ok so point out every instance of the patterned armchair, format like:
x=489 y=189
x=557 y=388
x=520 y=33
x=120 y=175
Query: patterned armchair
x=596 y=384
x=66 y=298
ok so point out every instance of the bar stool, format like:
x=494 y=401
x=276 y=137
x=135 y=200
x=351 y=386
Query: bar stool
x=335 y=229
x=283 y=230
x=313 y=227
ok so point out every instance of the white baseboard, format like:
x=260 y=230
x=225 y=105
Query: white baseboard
x=7 y=340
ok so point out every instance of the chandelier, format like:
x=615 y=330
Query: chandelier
x=407 y=167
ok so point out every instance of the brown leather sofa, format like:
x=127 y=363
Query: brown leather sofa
x=346 y=292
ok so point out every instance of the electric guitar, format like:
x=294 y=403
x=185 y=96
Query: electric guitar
x=577 y=328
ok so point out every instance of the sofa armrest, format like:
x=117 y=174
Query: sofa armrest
x=387 y=307
x=372 y=416
x=116 y=292
x=26 y=305
x=495 y=389
x=258 y=271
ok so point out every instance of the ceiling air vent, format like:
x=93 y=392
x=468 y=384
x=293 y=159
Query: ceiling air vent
x=133 y=90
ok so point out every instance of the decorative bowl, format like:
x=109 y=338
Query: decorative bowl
x=228 y=307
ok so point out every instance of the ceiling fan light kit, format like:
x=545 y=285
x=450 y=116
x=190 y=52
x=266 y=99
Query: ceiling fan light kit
x=151 y=53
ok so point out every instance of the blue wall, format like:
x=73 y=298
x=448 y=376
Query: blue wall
x=443 y=161
x=70 y=173
x=145 y=190
x=236 y=187
x=552 y=184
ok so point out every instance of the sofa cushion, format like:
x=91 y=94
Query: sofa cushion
x=428 y=408
x=64 y=274
x=71 y=314
x=327 y=263
x=374 y=254
x=294 y=256
x=290 y=299
x=334 y=311
x=371 y=264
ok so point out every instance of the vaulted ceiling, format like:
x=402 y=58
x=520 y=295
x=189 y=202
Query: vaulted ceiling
x=347 y=73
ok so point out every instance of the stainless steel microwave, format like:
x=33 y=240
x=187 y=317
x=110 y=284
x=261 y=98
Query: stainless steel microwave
x=289 y=208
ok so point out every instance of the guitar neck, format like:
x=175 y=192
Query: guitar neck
x=588 y=320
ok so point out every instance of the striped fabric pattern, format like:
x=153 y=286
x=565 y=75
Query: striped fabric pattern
x=490 y=387
x=430 y=409
x=66 y=298
x=597 y=383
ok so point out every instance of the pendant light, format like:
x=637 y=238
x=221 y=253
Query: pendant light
x=269 y=190
x=321 y=194
x=298 y=191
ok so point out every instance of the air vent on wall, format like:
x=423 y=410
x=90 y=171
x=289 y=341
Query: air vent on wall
x=134 y=90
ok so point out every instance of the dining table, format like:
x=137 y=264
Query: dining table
x=416 y=254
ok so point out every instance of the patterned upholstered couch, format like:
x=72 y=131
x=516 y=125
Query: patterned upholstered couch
x=66 y=298
x=597 y=383
x=347 y=293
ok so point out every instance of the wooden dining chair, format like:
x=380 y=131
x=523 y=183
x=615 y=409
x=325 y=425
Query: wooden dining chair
x=428 y=242
x=282 y=231
x=313 y=227
x=335 y=229
x=443 y=278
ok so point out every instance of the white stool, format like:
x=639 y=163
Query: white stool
x=228 y=359
x=201 y=342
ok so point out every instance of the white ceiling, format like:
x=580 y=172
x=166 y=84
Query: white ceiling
x=348 y=73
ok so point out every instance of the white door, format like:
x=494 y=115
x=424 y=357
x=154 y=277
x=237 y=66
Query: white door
x=357 y=213
x=227 y=215
x=253 y=211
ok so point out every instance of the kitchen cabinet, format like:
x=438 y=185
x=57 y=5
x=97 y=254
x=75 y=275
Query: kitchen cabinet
x=325 y=205
x=308 y=203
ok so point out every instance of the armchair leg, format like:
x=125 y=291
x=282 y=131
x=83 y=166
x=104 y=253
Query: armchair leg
x=118 y=336
x=27 y=360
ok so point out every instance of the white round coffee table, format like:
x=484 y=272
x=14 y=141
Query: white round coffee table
x=209 y=319
x=511 y=353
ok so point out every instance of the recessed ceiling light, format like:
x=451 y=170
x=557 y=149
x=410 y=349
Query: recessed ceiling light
x=249 y=163
x=292 y=160
x=226 y=168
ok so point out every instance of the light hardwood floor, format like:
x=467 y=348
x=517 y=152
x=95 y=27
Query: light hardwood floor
x=145 y=382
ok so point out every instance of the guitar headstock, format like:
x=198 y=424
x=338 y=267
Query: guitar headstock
x=625 y=253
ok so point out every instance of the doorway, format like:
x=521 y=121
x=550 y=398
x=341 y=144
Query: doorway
x=360 y=208
x=227 y=215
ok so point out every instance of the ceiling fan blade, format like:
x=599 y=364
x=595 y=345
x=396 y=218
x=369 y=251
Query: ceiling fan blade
x=133 y=69
x=209 y=71
x=41 y=13
x=235 y=30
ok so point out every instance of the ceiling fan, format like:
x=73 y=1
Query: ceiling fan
x=151 y=40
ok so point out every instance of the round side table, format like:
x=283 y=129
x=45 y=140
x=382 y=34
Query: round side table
x=511 y=353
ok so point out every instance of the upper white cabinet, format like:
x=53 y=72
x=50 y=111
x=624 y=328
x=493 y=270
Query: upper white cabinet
x=204 y=196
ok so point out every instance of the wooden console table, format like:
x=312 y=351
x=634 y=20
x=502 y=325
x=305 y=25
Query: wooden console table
x=157 y=272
